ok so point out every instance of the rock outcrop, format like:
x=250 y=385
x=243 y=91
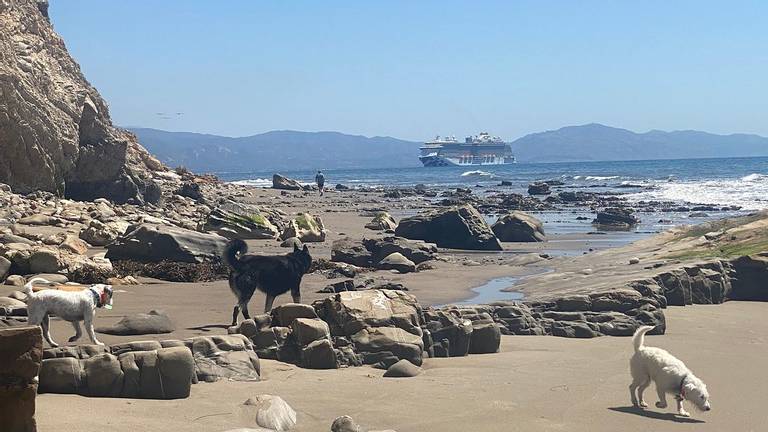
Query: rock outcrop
x=382 y=222
x=147 y=369
x=538 y=189
x=285 y=183
x=460 y=227
x=616 y=217
x=154 y=243
x=21 y=351
x=55 y=130
x=306 y=228
x=232 y=219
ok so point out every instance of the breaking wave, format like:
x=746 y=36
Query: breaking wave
x=477 y=173
x=748 y=192
x=258 y=182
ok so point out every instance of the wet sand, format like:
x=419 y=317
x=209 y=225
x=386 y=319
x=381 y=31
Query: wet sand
x=536 y=383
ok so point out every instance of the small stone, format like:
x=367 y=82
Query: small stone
x=634 y=260
x=345 y=424
x=402 y=369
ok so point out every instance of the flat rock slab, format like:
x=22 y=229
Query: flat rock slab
x=155 y=322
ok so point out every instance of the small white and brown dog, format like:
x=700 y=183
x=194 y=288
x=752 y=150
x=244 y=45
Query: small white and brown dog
x=668 y=373
x=70 y=305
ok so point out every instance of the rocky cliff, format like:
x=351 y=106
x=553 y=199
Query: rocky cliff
x=55 y=131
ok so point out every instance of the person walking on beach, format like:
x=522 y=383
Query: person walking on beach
x=320 y=180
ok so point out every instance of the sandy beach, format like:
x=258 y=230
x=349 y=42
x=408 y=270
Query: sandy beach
x=536 y=383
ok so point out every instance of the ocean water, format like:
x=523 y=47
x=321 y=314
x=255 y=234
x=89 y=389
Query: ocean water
x=733 y=181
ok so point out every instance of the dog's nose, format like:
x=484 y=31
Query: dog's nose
x=707 y=408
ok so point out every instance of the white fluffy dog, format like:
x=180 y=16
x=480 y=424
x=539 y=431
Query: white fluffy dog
x=72 y=306
x=668 y=373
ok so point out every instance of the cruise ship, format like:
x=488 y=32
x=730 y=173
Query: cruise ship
x=482 y=149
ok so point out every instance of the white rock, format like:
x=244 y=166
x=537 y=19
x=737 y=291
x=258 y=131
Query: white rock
x=268 y=411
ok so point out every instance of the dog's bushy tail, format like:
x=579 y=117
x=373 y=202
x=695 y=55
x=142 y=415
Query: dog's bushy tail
x=28 y=286
x=233 y=248
x=639 y=337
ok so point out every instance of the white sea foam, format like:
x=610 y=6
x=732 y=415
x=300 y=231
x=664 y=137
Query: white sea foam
x=477 y=173
x=593 y=178
x=258 y=182
x=749 y=192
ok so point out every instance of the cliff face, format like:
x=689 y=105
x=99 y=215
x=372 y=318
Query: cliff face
x=55 y=130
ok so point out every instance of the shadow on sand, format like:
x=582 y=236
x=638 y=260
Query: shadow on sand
x=210 y=327
x=655 y=414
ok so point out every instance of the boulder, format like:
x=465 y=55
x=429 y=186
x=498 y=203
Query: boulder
x=351 y=252
x=190 y=190
x=21 y=354
x=74 y=245
x=400 y=343
x=292 y=243
x=306 y=330
x=15 y=280
x=382 y=222
x=485 y=338
x=101 y=234
x=224 y=357
x=451 y=331
x=518 y=227
x=268 y=411
x=39 y=219
x=306 y=228
x=538 y=189
x=12 y=307
x=319 y=354
x=5 y=268
x=285 y=183
x=616 y=217
x=396 y=261
x=345 y=424
x=285 y=314
x=749 y=283
x=415 y=250
x=153 y=243
x=155 y=322
x=232 y=219
x=56 y=134
x=164 y=373
x=460 y=227
x=402 y=369
x=351 y=311
x=45 y=261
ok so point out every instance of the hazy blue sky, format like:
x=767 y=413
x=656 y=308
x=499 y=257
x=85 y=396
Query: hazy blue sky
x=413 y=69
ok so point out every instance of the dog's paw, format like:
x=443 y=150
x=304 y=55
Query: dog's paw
x=684 y=413
x=643 y=405
x=661 y=404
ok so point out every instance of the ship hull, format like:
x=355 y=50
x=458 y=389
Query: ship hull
x=441 y=161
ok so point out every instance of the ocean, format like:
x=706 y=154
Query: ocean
x=739 y=182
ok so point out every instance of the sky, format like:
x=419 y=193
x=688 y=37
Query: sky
x=414 y=69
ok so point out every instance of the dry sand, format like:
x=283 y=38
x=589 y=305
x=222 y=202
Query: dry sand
x=536 y=383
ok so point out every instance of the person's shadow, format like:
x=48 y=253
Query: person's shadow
x=668 y=416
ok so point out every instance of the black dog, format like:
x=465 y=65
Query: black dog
x=272 y=275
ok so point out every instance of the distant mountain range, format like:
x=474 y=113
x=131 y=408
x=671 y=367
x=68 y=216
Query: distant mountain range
x=596 y=142
x=277 y=150
x=284 y=150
